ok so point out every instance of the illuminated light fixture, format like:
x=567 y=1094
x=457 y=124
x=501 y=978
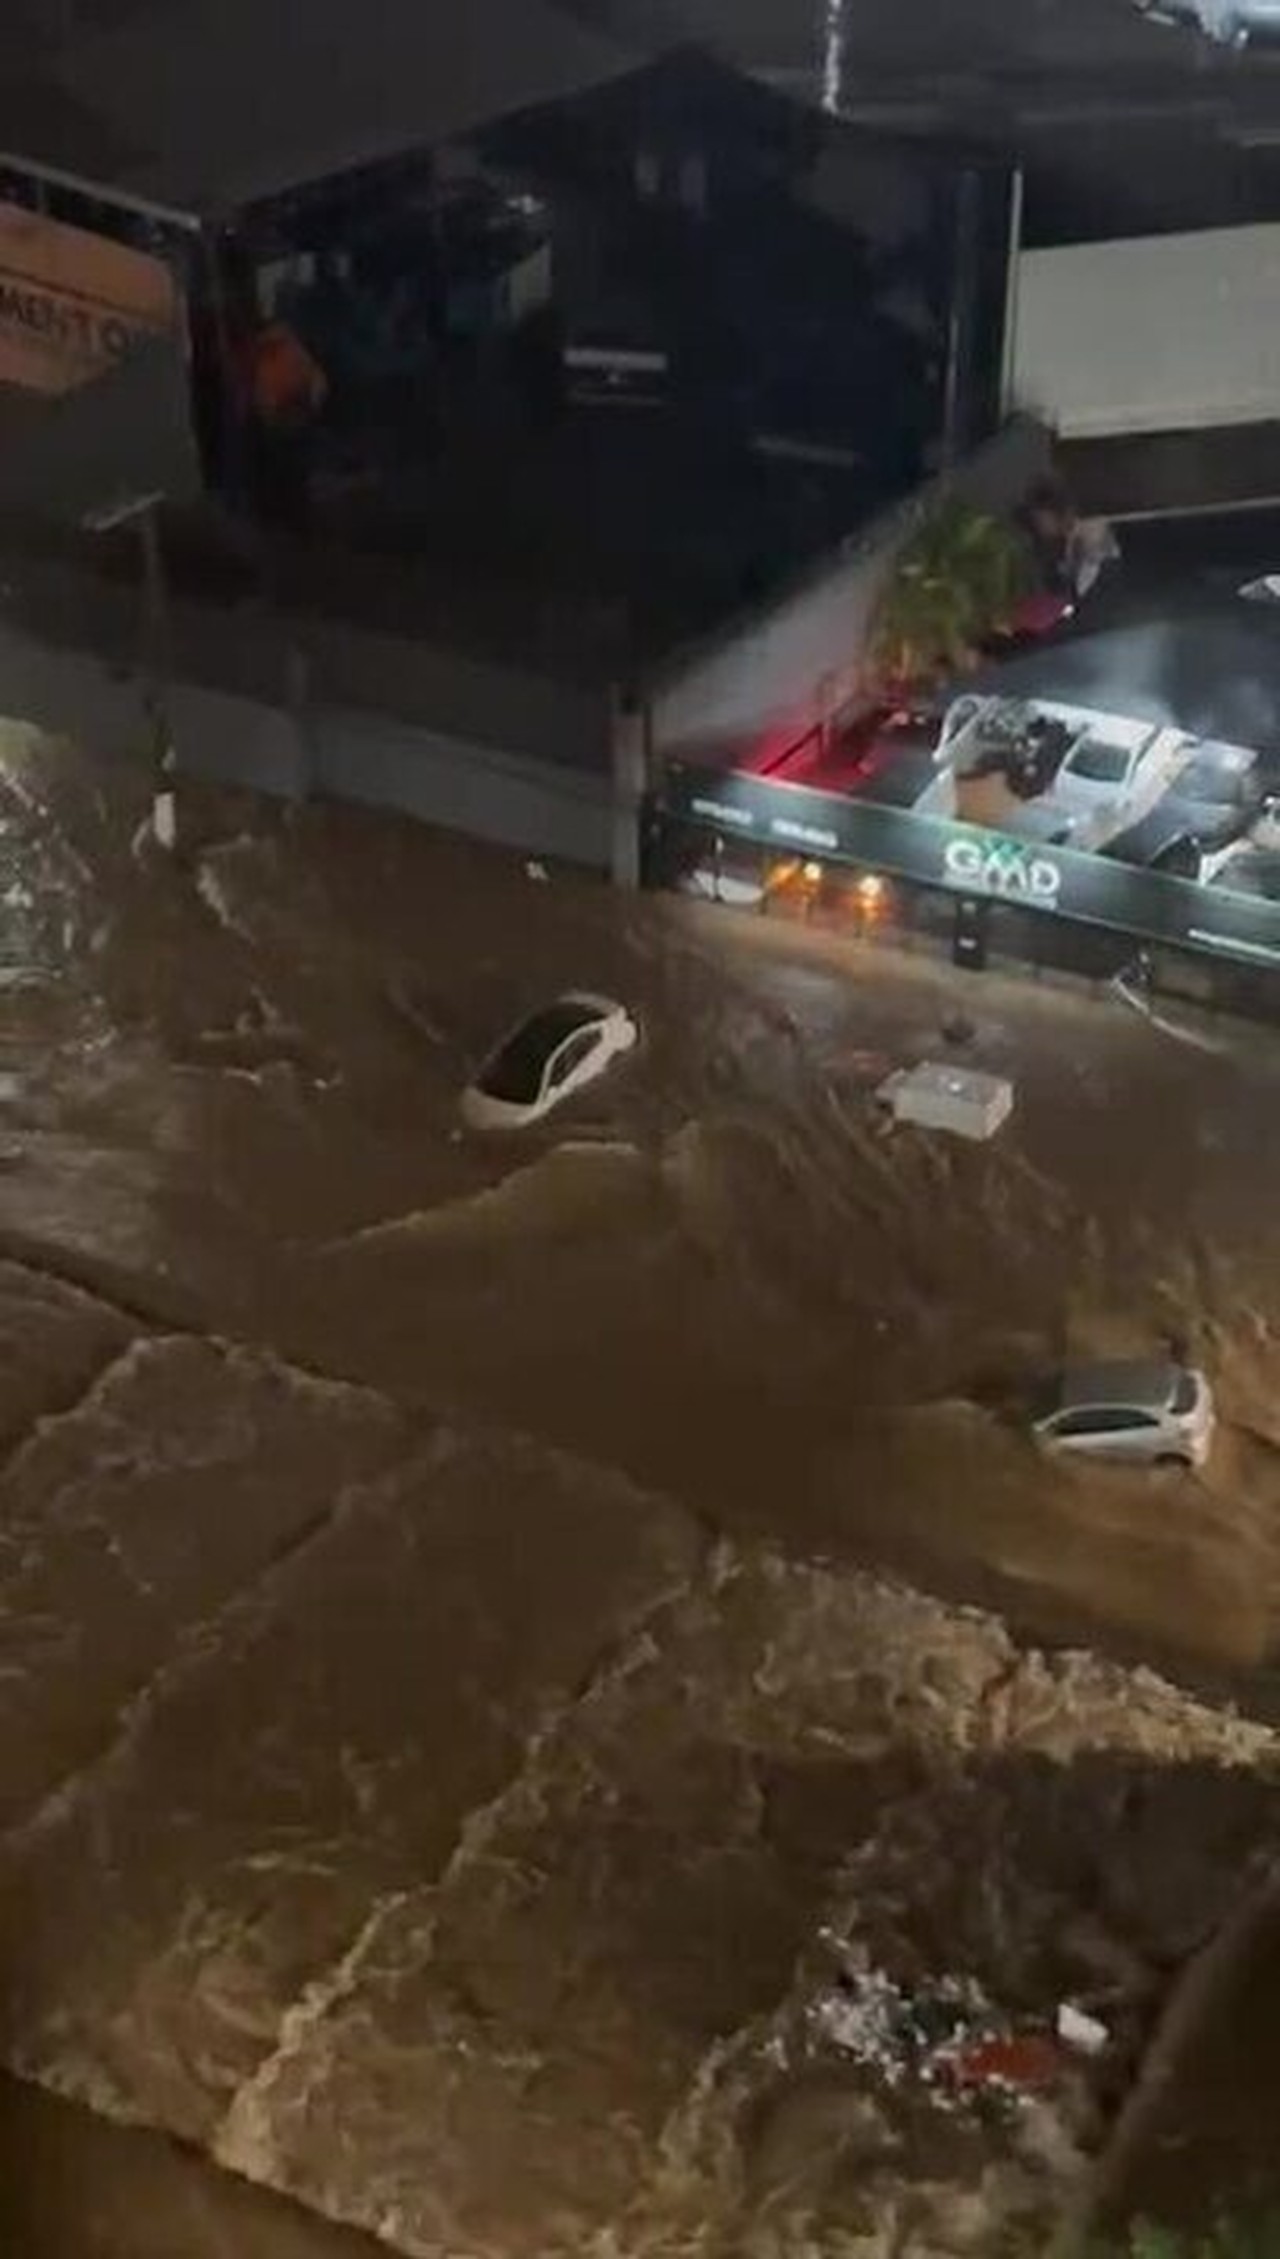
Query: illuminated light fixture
x=871 y=890
x=781 y=874
x=812 y=874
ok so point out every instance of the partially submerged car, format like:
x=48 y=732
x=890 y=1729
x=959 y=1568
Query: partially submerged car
x=1157 y=1413
x=554 y=1052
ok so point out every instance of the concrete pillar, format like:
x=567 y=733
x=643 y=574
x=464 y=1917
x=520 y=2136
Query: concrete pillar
x=630 y=783
x=298 y=694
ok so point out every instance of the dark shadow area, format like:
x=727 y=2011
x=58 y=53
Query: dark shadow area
x=73 y=2186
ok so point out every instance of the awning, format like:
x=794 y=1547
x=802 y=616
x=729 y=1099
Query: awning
x=202 y=106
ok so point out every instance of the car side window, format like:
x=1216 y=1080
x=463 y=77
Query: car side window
x=1105 y=1419
x=572 y=1054
x=1075 y=1423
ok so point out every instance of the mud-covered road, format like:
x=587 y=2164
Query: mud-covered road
x=464 y=1701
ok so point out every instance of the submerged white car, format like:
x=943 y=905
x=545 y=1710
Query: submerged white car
x=552 y=1053
x=1157 y=1414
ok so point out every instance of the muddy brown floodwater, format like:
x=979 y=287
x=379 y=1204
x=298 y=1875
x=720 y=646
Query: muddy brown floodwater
x=546 y=1708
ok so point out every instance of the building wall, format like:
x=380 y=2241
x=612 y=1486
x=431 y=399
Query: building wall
x=791 y=664
x=1153 y=333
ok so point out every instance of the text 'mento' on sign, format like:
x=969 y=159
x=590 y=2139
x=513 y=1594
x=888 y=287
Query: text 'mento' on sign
x=72 y=305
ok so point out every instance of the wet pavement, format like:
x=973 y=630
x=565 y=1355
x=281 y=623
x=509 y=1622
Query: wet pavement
x=464 y=1713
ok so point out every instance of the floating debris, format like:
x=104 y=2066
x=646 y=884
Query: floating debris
x=1086 y=2034
x=946 y=2037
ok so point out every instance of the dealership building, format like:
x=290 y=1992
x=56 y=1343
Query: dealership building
x=1148 y=839
x=984 y=893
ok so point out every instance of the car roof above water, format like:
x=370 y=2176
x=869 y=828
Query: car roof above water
x=515 y=1070
x=1147 y=1385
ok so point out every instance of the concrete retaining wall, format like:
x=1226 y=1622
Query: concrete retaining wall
x=559 y=812
x=291 y=748
x=794 y=663
x=261 y=652
x=69 y=694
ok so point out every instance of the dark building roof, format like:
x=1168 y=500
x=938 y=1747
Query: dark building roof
x=691 y=97
x=203 y=105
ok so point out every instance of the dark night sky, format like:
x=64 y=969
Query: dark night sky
x=207 y=102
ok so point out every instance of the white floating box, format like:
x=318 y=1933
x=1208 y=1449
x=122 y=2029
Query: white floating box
x=959 y=1099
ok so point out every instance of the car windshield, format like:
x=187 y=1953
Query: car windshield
x=1184 y=1393
x=515 y=1071
x=1099 y=762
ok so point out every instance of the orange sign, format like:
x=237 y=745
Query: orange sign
x=71 y=303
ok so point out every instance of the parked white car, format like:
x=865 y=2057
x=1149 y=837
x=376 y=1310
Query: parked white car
x=1232 y=23
x=551 y=1054
x=1114 y=776
x=1088 y=775
x=1157 y=1414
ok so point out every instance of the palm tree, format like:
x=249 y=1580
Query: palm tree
x=955 y=585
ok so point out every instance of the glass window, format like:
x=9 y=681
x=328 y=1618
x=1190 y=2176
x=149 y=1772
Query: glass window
x=578 y=1048
x=1116 y=1419
x=516 y=1071
x=1103 y=1419
x=1074 y=1423
x=1098 y=762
